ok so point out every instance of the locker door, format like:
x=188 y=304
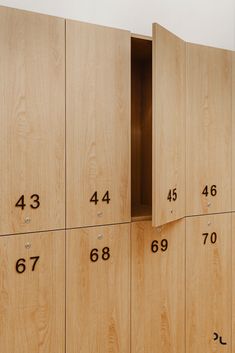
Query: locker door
x=168 y=126
x=233 y=282
x=208 y=284
x=98 y=125
x=32 y=293
x=98 y=289
x=208 y=130
x=233 y=131
x=158 y=288
x=32 y=117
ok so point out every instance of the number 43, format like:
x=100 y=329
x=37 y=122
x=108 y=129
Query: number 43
x=35 y=202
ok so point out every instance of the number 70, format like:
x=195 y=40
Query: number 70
x=212 y=237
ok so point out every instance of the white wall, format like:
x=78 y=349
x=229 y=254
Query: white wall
x=209 y=22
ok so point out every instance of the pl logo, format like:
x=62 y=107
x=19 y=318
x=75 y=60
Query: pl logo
x=218 y=337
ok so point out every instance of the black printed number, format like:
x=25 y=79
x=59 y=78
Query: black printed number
x=35 y=202
x=94 y=254
x=212 y=237
x=209 y=191
x=105 y=198
x=94 y=198
x=20 y=203
x=21 y=266
x=172 y=195
x=35 y=258
x=163 y=245
x=106 y=254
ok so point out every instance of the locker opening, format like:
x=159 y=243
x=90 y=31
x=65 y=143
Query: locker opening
x=141 y=128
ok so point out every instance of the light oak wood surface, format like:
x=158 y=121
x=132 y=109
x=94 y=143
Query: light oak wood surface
x=233 y=131
x=158 y=288
x=98 y=124
x=98 y=293
x=233 y=282
x=32 y=119
x=208 y=283
x=32 y=303
x=168 y=125
x=208 y=129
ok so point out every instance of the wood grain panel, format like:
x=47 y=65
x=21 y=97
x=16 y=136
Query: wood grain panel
x=158 y=288
x=32 y=303
x=32 y=118
x=233 y=282
x=168 y=125
x=208 y=284
x=208 y=131
x=98 y=293
x=233 y=131
x=98 y=124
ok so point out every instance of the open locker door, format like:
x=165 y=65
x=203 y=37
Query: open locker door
x=169 y=69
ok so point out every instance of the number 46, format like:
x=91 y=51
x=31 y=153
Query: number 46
x=212 y=191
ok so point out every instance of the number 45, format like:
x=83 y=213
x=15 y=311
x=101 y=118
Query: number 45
x=172 y=195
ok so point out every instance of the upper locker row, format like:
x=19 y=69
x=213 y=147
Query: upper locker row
x=89 y=88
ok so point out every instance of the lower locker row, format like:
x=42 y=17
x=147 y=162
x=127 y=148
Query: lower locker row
x=147 y=290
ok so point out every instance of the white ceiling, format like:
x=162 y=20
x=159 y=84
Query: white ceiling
x=209 y=22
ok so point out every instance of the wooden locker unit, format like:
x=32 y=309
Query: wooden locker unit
x=158 y=288
x=208 y=130
x=32 y=117
x=168 y=126
x=98 y=124
x=32 y=300
x=141 y=127
x=98 y=291
x=208 y=283
x=98 y=89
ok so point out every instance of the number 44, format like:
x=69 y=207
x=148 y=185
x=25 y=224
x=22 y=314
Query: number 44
x=94 y=198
